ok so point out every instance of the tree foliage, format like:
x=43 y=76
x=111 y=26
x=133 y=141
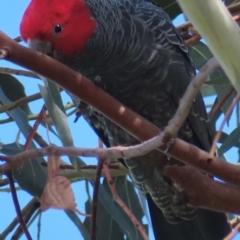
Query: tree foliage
x=112 y=221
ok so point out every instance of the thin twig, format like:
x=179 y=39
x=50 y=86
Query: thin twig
x=137 y=126
x=189 y=96
x=34 y=128
x=93 y=167
x=221 y=102
x=35 y=206
x=196 y=157
x=20 y=102
x=124 y=207
x=235 y=221
x=226 y=117
x=233 y=233
x=29 y=118
x=18 y=72
x=39 y=226
x=95 y=196
x=17 y=207
x=40 y=141
x=192 y=39
x=26 y=210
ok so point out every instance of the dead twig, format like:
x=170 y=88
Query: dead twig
x=189 y=96
x=233 y=233
x=17 y=207
x=124 y=207
x=95 y=196
x=226 y=117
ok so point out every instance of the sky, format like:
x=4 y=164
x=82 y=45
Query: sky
x=54 y=223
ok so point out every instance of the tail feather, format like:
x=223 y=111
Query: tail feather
x=208 y=225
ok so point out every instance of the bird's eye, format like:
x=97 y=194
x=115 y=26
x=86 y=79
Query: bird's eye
x=57 y=29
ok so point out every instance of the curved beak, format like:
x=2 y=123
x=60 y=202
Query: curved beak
x=40 y=46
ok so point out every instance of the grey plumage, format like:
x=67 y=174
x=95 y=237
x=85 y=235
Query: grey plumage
x=136 y=55
x=139 y=58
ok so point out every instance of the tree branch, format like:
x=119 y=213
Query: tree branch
x=124 y=207
x=95 y=196
x=224 y=170
x=218 y=196
x=18 y=72
x=186 y=102
x=116 y=112
x=17 y=207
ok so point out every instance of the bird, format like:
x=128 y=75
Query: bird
x=131 y=49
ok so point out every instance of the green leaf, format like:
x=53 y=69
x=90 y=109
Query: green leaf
x=223 y=138
x=171 y=7
x=11 y=148
x=221 y=81
x=208 y=90
x=31 y=176
x=107 y=227
x=117 y=213
x=228 y=2
x=81 y=227
x=59 y=118
x=230 y=141
x=13 y=89
x=55 y=94
x=127 y=193
x=221 y=92
x=144 y=205
x=199 y=53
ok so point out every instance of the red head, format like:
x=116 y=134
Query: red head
x=66 y=24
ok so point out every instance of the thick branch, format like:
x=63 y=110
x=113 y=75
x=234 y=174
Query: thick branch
x=116 y=112
x=204 y=192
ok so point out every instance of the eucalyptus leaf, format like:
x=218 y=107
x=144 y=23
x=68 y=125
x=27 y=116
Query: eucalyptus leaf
x=107 y=227
x=117 y=213
x=11 y=148
x=32 y=176
x=59 y=118
x=127 y=193
x=221 y=92
x=208 y=90
x=221 y=81
x=229 y=141
x=223 y=138
x=199 y=53
x=81 y=227
x=228 y=2
x=13 y=89
x=55 y=93
x=171 y=7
